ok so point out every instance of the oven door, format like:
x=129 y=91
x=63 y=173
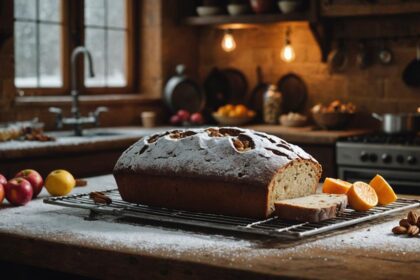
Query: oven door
x=402 y=181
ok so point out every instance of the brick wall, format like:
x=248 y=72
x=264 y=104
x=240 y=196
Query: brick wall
x=377 y=88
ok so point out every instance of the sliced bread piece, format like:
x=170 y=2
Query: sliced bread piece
x=312 y=208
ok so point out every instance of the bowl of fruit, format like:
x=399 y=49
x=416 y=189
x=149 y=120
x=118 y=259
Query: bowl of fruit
x=336 y=115
x=233 y=115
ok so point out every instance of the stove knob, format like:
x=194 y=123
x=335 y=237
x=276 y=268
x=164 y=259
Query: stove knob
x=386 y=158
x=400 y=159
x=411 y=160
x=373 y=157
x=364 y=156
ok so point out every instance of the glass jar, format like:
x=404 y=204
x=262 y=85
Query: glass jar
x=272 y=105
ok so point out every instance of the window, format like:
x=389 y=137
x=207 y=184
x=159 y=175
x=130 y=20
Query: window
x=47 y=30
x=38 y=43
x=105 y=33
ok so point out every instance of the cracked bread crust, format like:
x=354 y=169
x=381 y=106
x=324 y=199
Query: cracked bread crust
x=225 y=156
x=211 y=153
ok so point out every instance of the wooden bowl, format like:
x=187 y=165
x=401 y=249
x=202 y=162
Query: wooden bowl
x=285 y=121
x=332 y=120
x=232 y=121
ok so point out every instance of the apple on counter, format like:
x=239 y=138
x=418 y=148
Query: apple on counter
x=3 y=182
x=18 y=191
x=184 y=117
x=197 y=118
x=34 y=178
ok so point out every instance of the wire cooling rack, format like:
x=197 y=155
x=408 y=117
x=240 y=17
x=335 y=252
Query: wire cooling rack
x=273 y=227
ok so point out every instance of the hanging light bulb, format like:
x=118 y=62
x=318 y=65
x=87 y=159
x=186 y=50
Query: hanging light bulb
x=287 y=52
x=228 y=42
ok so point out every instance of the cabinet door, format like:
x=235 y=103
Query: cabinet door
x=347 y=8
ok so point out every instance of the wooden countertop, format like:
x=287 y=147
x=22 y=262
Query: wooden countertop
x=61 y=239
x=122 y=137
x=309 y=134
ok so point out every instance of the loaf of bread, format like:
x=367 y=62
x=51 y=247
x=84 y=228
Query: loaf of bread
x=312 y=208
x=227 y=170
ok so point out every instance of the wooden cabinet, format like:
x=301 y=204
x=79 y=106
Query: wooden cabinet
x=83 y=164
x=352 y=8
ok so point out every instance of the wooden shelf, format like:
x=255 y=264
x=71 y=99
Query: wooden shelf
x=245 y=19
x=310 y=15
x=362 y=9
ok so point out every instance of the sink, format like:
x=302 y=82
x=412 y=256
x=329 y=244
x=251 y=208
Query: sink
x=87 y=133
x=102 y=133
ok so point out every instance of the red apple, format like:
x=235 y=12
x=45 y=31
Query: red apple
x=196 y=118
x=34 y=178
x=3 y=180
x=18 y=191
x=184 y=115
x=175 y=119
x=1 y=193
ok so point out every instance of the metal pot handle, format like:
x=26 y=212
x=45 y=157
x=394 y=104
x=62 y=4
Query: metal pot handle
x=378 y=117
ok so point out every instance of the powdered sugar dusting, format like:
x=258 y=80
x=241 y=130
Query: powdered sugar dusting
x=67 y=225
x=377 y=237
x=190 y=155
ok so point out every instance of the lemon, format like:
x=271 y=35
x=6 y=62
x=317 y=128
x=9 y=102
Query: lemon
x=59 y=182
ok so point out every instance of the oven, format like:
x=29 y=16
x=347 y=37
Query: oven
x=397 y=160
x=406 y=181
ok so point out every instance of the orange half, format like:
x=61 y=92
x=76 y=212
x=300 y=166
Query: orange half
x=386 y=194
x=362 y=196
x=335 y=186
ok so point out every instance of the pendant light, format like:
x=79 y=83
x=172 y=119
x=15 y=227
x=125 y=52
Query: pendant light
x=287 y=52
x=228 y=42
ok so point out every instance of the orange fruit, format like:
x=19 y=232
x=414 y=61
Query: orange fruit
x=335 y=186
x=241 y=110
x=222 y=111
x=362 y=196
x=229 y=107
x=386 y=194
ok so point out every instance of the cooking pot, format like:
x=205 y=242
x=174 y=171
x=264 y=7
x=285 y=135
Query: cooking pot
x=403 y=123
x=181 y=92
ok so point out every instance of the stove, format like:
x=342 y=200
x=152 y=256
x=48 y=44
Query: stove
x=396 y=157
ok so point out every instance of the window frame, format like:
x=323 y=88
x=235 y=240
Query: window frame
x=72 y=35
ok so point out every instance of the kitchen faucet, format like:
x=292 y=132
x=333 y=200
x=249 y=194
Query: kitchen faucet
x=77 y=120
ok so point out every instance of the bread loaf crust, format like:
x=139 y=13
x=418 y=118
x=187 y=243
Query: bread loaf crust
x=195 y=195
x=196 y=164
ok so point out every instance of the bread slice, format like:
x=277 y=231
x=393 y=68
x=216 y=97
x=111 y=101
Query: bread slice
x=312 y=208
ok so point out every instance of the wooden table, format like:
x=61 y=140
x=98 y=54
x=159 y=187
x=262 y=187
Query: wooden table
x=59 y=238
